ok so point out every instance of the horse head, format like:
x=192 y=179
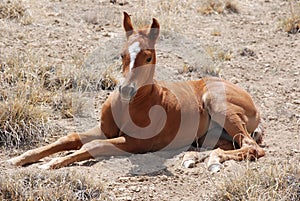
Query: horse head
x=138 y=58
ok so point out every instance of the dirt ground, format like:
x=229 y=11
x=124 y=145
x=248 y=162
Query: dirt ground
x=264 y=60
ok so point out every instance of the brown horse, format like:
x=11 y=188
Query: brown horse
x=147 y=116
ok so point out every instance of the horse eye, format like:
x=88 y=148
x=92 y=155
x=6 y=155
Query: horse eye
x=149 y=59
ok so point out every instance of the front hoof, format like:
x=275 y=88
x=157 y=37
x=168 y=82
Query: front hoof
x=53 y=164
x=45 y=167
x=214 y=168
x=16 y=161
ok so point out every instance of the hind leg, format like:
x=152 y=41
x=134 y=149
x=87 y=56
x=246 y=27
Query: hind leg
x=72 y=141
x=236 y=126
x=191 y=157
x=216 y=137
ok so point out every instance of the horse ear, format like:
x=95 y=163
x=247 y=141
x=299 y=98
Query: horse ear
x=127 y=25
x=154 y=32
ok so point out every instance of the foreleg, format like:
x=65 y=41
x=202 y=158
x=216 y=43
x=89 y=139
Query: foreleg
x=72 y=141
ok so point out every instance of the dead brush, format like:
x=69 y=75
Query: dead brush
x=292 y=23
x=276 y=182
x=141 y=20
x=68 y=104
x=11 y=9
x=61 y=185
x=24 y=101
x=218 y=7
x=21 y=123
x=212 y=70
x=218 y=54
x=33 y=91
x=167 y=11
x=109 y=80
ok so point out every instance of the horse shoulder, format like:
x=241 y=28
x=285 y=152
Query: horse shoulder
x=107 y=122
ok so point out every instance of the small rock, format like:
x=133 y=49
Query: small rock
x=234 y=80
x=296 y=102
x=135 y=188
x=272 y=118
x=124 y=179
x=189 y=164
x=214 y=168
x=164 y=178
x=247 y=52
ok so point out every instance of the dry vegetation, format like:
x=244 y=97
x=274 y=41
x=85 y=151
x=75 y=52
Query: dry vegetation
x=218 y=6
x=292 y=23
x=23 y=97
x=276 y=182
x=32 y=91
x=63 y=185
x=12 y=9
x=15 y=10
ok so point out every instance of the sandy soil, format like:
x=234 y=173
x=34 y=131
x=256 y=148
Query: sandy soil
x=62 y=30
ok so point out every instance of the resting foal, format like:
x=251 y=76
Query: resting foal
x=147 y=116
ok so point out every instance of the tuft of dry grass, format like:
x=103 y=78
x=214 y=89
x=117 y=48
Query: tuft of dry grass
x=216 y=33
x=15 y=9
x=108 y=82
x=276 y=182
x=22 y=103
x=217 y=54
x=167 y=11
x=21 y=123
x=32 y=92
x=28 y=98
x=212 y=70
x=231 y=7
x=59 y=185
x=11 y=9
x=292 y=23
x=218 y=7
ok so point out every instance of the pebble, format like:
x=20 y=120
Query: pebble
x=135 y=188
x=189 y=164
x=296 y=102
x=124 y=179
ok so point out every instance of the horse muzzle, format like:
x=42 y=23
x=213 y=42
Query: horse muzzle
x=127 y=92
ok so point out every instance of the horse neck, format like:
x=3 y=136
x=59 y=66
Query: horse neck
x=143 y=93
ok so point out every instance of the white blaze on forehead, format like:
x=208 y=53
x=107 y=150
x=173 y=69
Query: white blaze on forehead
x=133 y=49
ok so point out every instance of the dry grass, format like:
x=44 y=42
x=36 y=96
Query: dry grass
x=22 y=102
x=58 y=185
x=109 y=80
x=31 y=91
x=218 y=54
x=218 y=7
x=14 y=9
x=275 y=182
x=165 y=12
x=216 y=33
x=292 y=23
x=21 y=123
